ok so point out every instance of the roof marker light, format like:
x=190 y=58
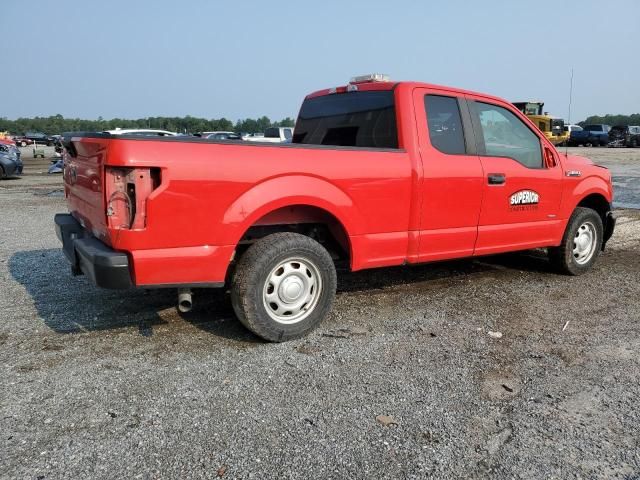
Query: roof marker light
x=372 y=77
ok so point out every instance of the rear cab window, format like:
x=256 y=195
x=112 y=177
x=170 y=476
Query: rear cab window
x=351 y=119
x=445 y=124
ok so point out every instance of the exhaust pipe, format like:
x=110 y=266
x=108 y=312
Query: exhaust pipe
x=185 y=303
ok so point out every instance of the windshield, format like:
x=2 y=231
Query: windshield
x=353 y=119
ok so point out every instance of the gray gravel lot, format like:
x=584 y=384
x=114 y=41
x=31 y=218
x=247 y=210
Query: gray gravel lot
x=105 y=384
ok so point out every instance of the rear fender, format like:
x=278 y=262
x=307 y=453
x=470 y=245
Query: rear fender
x=284 y=191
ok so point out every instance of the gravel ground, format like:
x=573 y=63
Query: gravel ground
x=95 y=383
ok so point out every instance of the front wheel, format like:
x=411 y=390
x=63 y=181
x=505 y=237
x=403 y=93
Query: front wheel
x=283 y=286
x=581 y=243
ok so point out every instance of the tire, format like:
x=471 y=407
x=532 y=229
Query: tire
x=23 y=144
x=283 y=286
x=581 y=243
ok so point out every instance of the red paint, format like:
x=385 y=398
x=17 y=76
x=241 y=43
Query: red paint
x=412 y=205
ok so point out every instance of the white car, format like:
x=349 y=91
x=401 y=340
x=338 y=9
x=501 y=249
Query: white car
x=143 y=132
x=572 y=128
x=214 y=133
x=274 y=135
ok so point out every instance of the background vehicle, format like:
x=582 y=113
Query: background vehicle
x=379 y=174
x=143 y=132
x=590 y=135
x=10 y=161
x=624 y=136
x=21 y=140
x=274 y=135
x=553 y=128
x=224 y=136
x=38 y=137
x=572 y=128
x=217 y=132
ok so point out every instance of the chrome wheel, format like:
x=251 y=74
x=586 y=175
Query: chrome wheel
x=584 y=243
x=292 y=290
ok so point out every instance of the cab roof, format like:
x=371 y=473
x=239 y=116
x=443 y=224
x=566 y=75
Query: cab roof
x=390 y=85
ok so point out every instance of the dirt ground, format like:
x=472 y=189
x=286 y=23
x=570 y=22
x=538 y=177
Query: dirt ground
x=407 y=378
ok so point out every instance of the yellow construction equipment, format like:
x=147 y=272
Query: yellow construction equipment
x=553 y=128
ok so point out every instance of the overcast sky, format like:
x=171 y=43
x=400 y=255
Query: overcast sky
x=234 y=59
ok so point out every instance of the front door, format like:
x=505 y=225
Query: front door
x=522 y=182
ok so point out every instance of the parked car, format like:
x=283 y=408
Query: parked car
x=590 y=135
x=624 y=136
x=21 y=140
x=142 y=132
x=274 y=135
x=10 y=161
x=572 y=128
x=223 y=136
x=38 y=137
x=379 y=174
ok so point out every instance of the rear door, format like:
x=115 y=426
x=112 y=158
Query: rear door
x=452 y=176
x=521 y=185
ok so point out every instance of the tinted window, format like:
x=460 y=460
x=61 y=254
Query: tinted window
x=593 y=128
x=505 y=135
x=445 y=124
x=354 y=119
x=272 y=133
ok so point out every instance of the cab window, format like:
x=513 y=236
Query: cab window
x=445 y=124
x=505 y=135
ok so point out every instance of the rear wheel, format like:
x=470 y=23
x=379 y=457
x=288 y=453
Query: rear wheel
x=2 y=173
x=581 y=243
x=283 y=286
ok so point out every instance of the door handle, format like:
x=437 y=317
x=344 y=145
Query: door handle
x=496 y=178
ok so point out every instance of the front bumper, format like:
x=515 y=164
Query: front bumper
x=105 y=267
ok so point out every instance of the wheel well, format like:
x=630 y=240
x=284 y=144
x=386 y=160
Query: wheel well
x=307 y=220
x=596 y=202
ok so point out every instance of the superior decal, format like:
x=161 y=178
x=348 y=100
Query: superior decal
x=524 y=197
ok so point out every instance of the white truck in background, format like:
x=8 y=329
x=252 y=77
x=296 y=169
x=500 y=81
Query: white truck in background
x=274 y=135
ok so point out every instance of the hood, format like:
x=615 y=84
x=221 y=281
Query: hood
x=576 y=161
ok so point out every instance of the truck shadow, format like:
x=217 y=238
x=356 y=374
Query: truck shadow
x=70 y=304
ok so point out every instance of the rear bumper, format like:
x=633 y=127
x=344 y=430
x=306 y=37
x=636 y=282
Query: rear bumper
x=105 y=267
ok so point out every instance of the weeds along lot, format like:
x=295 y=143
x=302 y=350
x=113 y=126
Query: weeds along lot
x=117 y=384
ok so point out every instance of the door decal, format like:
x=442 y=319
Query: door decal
x=524 y=200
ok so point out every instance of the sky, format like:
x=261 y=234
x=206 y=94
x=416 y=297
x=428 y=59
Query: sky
x=245 y=59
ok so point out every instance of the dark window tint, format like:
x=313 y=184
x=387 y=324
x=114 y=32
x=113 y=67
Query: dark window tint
x=353 y=119
x=594 y=128
x=272 y=132
x=445 y=124
x=505 y=135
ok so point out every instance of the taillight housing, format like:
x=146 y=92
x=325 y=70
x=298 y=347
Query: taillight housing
x=126 y=194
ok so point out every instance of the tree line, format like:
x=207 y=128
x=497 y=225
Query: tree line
x=633 y=119
x=57 y=124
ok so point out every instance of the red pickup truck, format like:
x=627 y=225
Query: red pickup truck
x=378 y=174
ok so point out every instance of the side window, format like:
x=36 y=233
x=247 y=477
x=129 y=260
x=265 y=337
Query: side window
x=445 y=124
x=505 y=135
x=287 y=133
